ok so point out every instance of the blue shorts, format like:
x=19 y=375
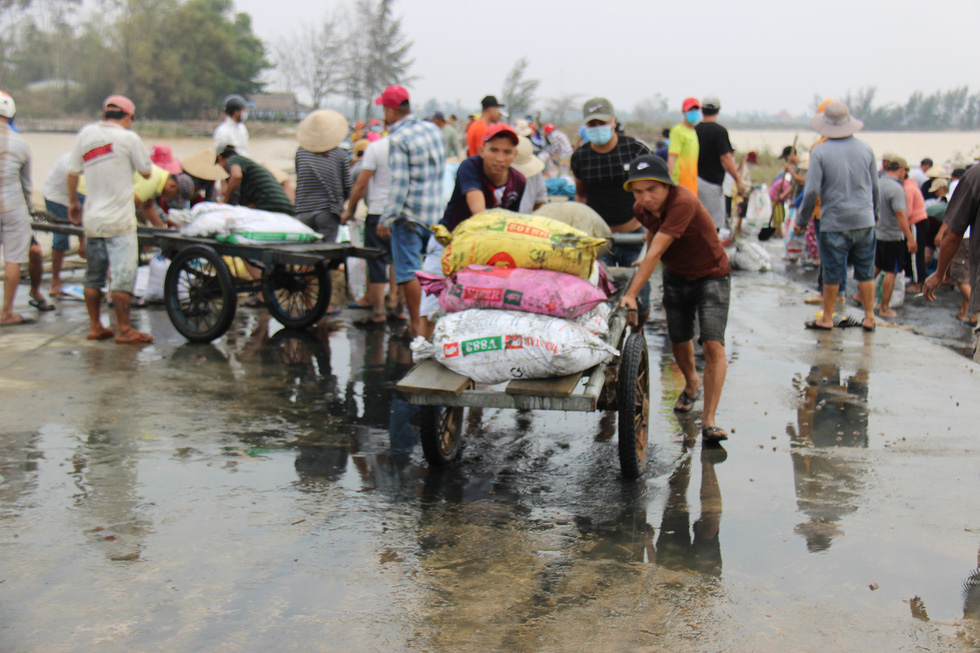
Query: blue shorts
x=120 y=254
x=624 y=256
x=58 y=241
x=838 y=248
x=408 y=241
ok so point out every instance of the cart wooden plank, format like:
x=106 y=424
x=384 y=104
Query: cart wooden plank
x=432 y=377
x=559 y=386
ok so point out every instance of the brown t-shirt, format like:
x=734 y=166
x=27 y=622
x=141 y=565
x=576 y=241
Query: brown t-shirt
x=696 y=252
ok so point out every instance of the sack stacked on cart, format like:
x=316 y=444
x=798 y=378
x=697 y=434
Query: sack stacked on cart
x=492 y=346
x=544 y=292
x=245 y=226
x=505 y=239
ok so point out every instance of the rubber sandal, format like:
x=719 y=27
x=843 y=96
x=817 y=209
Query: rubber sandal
x=687 y=401
x=869 y=329
x=105 y=335
x=713 y=434
x=369 y=323
x=355 y=305
x=140 y=339
x=41 y=305
x=21 y=321
x=812 y=324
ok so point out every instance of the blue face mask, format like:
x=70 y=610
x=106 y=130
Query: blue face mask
x=693 y=116
x=599 y=135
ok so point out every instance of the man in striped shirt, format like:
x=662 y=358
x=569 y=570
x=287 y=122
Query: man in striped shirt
x=417 y=158
x=259 y=189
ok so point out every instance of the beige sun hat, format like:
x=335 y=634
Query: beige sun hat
x=938 y=183
x=202 y=166
x=936 y=172
x=526 y=163
x=522 y=127
x=322 y=130
x=836 y=122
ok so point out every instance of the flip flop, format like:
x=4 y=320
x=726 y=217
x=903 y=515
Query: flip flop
x=687 y=401
x=869 y=329
x=41 y=305
x=105 y=335
x=57 y=294
x=368 y=323
x=812 y=324
x=21 y=321
x=140 y=339
x=713 y=434
x=355 y=305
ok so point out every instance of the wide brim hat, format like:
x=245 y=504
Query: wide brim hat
x=936 y=172
x=322 y=131
x=648 y=167
x=522 y=127
x=202 y=166
x=526 y=163
x=937 y=183
x=836 y=122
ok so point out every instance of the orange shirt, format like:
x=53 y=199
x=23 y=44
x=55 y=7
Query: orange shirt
x=474 y=136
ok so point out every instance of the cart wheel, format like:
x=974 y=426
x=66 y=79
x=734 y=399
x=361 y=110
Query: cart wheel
x=634 y=405
x=441 y=434
x=199 y=294
x=297 y=295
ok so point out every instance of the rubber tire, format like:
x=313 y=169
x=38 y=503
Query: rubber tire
x=441 y=434
x=280 y=276
x=225 y=293
x=634 y=405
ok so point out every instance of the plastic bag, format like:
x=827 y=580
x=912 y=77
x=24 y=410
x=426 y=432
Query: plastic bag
x=158 y=272
x=544 y=292
x=751 y=257
x=512 y=240
x=492 y=346
x=760 y=206
x=898 y=292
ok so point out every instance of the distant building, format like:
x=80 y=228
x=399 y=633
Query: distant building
x=276 y=106
x=53 y=85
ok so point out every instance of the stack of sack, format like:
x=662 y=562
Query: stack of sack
x=524 y=298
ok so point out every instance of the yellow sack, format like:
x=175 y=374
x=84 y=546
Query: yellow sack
x=512 y=240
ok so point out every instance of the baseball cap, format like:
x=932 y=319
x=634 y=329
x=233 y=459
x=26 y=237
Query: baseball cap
x=938 y=183
x=890 y=156
x=501 y=129
x=7 y=106
x=690 y=103
x=490 y=101
x=648 y=167
x=119 y=103
x=438 y=115
x=711 y=102
x=393 y=97
x=752 y=157
x=598 y=108
x=897 y=163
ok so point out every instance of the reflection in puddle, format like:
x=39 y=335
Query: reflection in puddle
x=832 y=412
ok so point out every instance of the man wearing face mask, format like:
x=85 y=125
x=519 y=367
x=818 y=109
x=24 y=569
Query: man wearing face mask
x=682 y=156
x=600 y=167
x=233 y=131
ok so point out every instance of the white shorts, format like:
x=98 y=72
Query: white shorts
x=15 y=235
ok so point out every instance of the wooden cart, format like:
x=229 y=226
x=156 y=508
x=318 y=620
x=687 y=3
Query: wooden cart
x=622 y=384
x=200 y=292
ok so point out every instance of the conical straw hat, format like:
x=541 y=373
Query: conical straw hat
x=202 y=166
x=321 y=131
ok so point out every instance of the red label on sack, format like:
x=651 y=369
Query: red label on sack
x=482 y=294
x=534 y=232
x=503 y=259
x=514 y=342
x=450 y=349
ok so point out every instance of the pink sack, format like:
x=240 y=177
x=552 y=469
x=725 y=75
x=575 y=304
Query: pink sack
x=544 y=292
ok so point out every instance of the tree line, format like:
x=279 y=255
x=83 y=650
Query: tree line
x=956 y=108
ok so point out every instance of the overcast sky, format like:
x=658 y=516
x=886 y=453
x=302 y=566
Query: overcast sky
x=760 y=55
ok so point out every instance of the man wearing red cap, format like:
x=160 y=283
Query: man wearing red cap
x=682 y=155
x=417 y=157
x=109 y=154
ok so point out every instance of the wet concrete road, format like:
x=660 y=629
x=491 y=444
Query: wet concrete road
x=265 y=493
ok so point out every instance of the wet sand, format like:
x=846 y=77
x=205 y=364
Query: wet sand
x=265 y=492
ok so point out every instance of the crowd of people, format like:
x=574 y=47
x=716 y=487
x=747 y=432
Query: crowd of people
x=887 y=219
